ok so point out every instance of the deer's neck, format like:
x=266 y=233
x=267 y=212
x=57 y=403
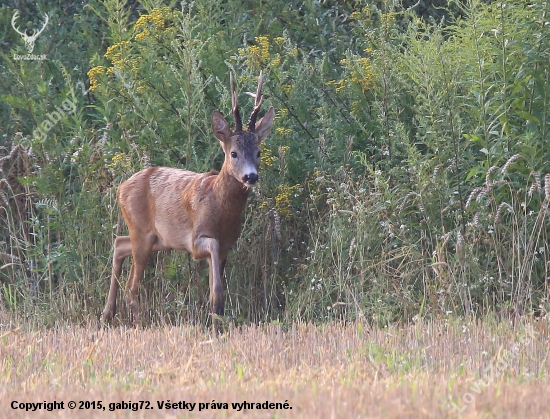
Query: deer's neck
x=230 y=193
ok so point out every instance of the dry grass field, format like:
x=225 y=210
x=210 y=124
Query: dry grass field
x=441 y=369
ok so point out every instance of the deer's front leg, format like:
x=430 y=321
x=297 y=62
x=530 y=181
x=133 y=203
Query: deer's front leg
x=209 y=248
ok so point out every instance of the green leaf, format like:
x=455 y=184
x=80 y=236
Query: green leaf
x=474 y=171
x=528 y=117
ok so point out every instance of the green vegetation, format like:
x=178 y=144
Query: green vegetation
x=408 y=174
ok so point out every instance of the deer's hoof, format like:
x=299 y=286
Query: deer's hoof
x=107 y=316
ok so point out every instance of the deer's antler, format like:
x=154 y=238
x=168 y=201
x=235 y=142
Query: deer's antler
x=235 y=105
x=257 y=104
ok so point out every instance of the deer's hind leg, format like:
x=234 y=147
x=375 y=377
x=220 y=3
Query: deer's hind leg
x=142 y=247
x=122 y=249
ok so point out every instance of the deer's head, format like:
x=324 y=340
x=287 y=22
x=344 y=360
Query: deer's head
x=242 y=148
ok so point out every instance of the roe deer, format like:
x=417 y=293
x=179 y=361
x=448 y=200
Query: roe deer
x=167 y=208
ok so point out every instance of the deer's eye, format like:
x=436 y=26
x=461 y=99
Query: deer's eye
x=233 y=154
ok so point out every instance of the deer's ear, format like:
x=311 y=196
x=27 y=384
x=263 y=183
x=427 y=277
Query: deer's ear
x=220 y=127
x=263 y=126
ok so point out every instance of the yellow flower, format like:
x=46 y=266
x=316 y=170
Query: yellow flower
x=157 y=17
x=119 y=55
x=267 y=156
x=286 y=88
x=143 y=35
x=258 y=55
x=363 y=14
x=276 y=61
x=115 y=51
x=141 y=87
x=172 y=31
x=360 y=73
x=282 y=113
x=283 y=200
x=263 y=42
x=388 y=18
x=93 y=75
x=284 y=131
x=120 y=160
x=338 y=85
x=156 y=20
x=363 y=74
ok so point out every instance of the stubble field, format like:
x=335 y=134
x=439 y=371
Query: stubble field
x=426 y=370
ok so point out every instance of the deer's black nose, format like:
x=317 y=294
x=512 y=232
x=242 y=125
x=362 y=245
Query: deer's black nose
x=250 y=178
